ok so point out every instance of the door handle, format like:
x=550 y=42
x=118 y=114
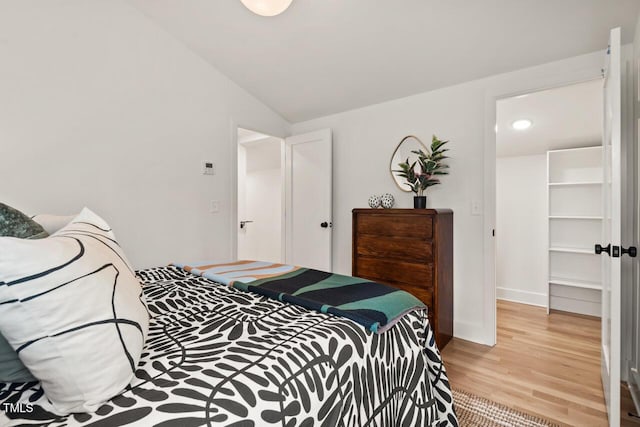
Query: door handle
x=243 y=224
x=618 y=251
x=326 y=224
x=632 y=251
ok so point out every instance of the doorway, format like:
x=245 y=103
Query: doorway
x=549 y=198
x=621 y=184
x=282 y=197
x=549 y=185
x=261 y=197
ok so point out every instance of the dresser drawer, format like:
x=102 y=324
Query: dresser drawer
x=395 y=272
x=405 y=249
x=423 y=294
x=418 y=227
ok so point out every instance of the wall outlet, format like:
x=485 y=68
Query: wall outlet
x=208 y=168
x=215 y=206
x=476 y=207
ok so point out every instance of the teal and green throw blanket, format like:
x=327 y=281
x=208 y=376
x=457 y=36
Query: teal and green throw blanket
x=375 y=306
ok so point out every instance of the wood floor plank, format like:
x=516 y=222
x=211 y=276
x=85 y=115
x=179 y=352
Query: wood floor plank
x=545 y=365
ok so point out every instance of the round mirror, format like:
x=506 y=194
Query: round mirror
x=404 y=150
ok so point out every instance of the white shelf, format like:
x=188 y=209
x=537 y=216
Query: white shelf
x=575 y=183
x=584 y=284
x=574 y=190
x=574 y=217
x=561 y=151
x=573 y=250
x=575 y=165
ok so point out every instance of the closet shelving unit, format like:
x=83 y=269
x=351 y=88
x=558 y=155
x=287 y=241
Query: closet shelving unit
x=574 y=178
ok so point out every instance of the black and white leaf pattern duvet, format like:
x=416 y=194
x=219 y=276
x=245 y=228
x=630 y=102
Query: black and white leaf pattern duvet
x=218 y=356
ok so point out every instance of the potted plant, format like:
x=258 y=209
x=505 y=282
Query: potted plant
x=424 y=172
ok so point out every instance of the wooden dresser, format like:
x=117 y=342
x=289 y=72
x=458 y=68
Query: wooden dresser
x=411 y=249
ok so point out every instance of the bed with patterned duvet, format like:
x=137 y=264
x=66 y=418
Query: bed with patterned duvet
x=216 y=355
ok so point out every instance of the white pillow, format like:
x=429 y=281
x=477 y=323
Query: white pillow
x=73 y=309
x=53 y=223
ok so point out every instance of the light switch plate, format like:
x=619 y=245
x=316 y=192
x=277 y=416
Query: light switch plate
x=215 y=206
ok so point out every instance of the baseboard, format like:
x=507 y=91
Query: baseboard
x=523 y=297
x=575 y=300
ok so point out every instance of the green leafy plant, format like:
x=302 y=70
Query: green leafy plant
x=424 y=172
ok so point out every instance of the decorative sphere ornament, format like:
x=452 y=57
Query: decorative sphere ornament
x=374 y=202
x=387 y=201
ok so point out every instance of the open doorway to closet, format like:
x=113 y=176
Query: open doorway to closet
x=549 y=185
x=282 y=198
x=549 y=198
x=261 y=197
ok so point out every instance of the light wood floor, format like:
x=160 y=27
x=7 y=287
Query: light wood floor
x=547 y=366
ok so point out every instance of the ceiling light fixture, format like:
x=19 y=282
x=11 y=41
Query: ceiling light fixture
x=267 y=7
x=521 y=124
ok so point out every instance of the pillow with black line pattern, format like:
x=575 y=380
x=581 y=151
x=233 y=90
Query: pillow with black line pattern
x=52 y=223
x=73 y=309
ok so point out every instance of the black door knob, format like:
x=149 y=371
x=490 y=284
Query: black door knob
x=606 y=249
x=632 y=251
x=324 y=224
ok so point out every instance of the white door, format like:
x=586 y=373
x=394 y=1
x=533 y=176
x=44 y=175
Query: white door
x=611 y=230
x=308 y=199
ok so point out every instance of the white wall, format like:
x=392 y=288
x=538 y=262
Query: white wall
x=260 y=200
x=521 y=231
x=464 y=114
x=100 y=107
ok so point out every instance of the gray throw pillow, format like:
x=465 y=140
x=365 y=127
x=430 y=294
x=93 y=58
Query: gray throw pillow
x=11 y=368
x=14 y=223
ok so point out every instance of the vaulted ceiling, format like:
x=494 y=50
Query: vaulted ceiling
x=326 y=56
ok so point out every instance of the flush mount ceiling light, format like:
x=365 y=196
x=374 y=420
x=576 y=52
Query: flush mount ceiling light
x=521 y=124
x=267 y=7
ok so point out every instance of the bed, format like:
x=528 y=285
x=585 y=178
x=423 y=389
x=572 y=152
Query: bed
x=219 y=356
